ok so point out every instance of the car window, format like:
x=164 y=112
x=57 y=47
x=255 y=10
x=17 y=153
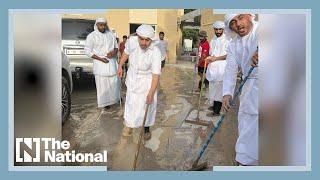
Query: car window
x=73 y=29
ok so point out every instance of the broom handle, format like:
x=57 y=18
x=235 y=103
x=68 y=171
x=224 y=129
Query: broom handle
x=140 y=137
x=120 y=89
x=201 y=88
x=120 y=83
x=215 y=129
x=194 y=76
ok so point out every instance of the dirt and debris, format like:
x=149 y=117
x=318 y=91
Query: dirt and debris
x=174 y=144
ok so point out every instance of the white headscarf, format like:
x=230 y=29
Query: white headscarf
x=145 y=31
x=99 y=20
x=227 y=20
x=218 y=25
x=229 y=17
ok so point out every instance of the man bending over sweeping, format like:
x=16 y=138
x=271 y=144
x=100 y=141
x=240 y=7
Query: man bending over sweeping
x=141 y=81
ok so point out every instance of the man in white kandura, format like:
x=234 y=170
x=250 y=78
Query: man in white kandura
x=102 y=47
x=141 y=81
x=216 y=67
x=241 y=52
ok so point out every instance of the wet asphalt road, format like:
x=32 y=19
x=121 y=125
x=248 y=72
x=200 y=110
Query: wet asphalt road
x=174 y=144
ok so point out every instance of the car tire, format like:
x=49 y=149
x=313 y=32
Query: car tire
x=65 y=100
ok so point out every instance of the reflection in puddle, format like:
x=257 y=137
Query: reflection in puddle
x=154 y=142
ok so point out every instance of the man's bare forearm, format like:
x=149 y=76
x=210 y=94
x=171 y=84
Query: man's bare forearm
x=99 y=58
x=221 y=58
x=123 y=59
x=154 y=83
x=112 y=53
x=115 y=51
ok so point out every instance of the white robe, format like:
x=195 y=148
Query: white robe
x=163 y=47
x=239 y=54
x=142 y=65
x=215 y=71
x=107 y=83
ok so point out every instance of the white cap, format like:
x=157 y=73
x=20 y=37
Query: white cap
x=218 y=25
x=228 y=18
x=99 y=20
x=145 y=31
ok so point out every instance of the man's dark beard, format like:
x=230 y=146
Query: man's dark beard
x=103 y=31
x=218 y=34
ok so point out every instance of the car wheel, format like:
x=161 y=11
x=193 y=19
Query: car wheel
x=66 y=100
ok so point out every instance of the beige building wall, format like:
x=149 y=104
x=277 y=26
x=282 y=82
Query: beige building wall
x=167 y=22
x=119 y=20
x=164 y=19
x=91 y=16
x=179 y=44
x=143 y=16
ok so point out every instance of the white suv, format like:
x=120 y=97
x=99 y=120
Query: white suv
x=74 y=34
x=66 y=86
